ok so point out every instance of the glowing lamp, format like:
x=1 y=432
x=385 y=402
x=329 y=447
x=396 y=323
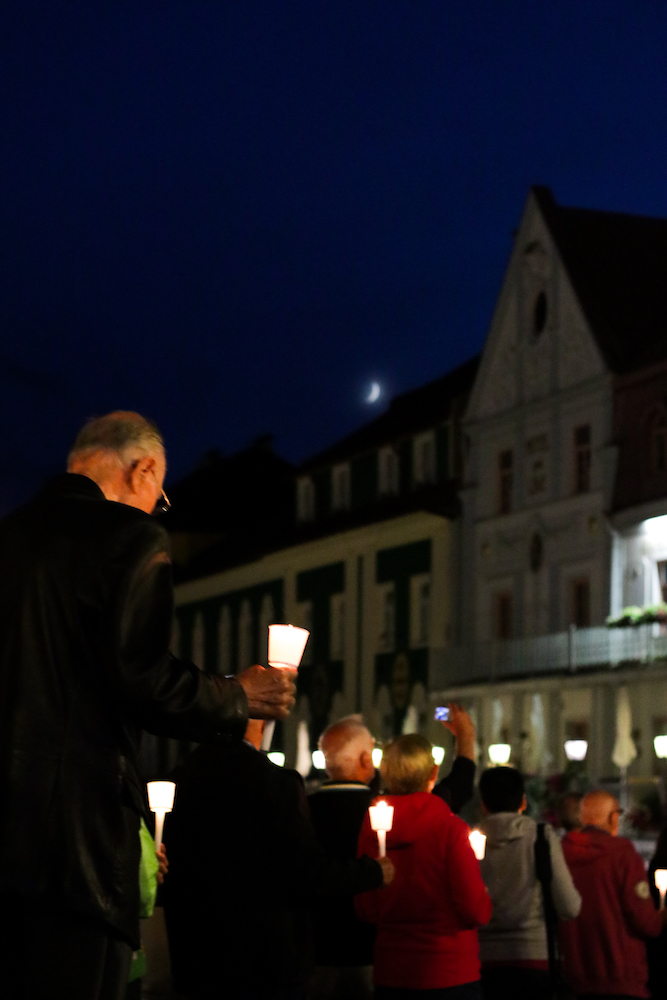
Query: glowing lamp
x=576 y=749
x=318 y=760
x=382 y=819
x=478 y=843
x=276 y=757
x=286 y=645
x=499 y=753
x=438 y=754
x=161 y=801
x=660 y=877
x=377 y=756
x=660 y=746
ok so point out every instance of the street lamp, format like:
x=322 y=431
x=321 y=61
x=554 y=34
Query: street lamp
x=318 y=760
x=660 y=747
x=438 y=754
x=499 y=753
x=576 y=749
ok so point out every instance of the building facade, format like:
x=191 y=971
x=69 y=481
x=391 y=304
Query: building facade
x=471 y=542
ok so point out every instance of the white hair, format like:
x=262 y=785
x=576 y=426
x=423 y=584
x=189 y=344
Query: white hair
x=343 y=742
x=123 y=432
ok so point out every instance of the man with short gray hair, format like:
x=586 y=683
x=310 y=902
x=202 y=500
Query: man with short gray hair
x=604 y=947
x=343 y=943
x=87 y=600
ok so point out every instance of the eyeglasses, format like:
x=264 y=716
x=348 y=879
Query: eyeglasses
x=162 y=505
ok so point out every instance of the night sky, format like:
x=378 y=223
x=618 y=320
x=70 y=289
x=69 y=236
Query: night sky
x=233 y=215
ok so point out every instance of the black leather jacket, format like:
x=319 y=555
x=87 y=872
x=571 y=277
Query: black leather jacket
x=85 y=618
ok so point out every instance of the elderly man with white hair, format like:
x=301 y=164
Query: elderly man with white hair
x=87 y=600
x=344 y=944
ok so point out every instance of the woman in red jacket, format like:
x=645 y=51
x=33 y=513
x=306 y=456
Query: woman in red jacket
x=427 y=919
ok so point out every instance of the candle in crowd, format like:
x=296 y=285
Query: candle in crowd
x=161 y=801
x=382 y=818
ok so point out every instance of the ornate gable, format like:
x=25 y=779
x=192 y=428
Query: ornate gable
x=539 y=341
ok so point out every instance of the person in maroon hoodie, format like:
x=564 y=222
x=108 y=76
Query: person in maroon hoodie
x=604 y=953
x=427 y=920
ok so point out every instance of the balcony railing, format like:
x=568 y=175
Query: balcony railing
x=576 y=649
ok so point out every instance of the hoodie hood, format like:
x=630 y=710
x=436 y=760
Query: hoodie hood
x=413 y=816
x=590 y=845
x=502 y=828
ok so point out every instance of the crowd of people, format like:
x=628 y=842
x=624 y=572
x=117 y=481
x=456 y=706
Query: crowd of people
x=268 y=893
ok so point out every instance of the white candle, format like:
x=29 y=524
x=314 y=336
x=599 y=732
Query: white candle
x=478 y=843
x=286 y=645
x=660 y=877
x=382 y=819
x=161 y=801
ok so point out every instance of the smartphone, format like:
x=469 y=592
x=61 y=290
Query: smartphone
x=441 y=714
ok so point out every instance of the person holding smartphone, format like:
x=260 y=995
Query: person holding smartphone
x=457 y=787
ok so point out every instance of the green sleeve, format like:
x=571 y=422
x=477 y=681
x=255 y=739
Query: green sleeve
x=148 y=869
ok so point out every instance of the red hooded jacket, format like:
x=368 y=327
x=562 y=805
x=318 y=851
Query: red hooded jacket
x=427 y=918
x=603 y=948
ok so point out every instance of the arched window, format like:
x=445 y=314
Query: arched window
x=540 y=314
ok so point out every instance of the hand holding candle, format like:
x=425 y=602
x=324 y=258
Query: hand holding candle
x=161 y=801
x=478 y=843
x=286 y=646
x=382 y=819
x=660 y=877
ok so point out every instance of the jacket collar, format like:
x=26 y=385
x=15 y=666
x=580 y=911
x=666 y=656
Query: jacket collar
x=71 y=484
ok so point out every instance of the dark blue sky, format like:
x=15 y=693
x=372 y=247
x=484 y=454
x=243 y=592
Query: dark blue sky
x=232 y=215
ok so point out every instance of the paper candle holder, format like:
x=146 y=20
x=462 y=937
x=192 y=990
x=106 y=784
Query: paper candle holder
x=286 y=645
x=382 y=820
x=478 y=843
x=161 y=801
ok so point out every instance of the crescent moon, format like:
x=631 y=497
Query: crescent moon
x=374 y=393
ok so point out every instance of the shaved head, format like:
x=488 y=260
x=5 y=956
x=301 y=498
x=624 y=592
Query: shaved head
x=347 y=746
x=600 y=808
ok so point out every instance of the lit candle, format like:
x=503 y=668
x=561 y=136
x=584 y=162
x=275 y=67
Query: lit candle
x=286 y=646
x=478 y=843
x=382 y=819
x=660 y=877
x=161 y=801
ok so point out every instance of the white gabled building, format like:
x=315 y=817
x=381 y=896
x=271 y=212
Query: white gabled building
x=552 y=542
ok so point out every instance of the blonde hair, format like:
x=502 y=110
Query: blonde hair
x=407 y=764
